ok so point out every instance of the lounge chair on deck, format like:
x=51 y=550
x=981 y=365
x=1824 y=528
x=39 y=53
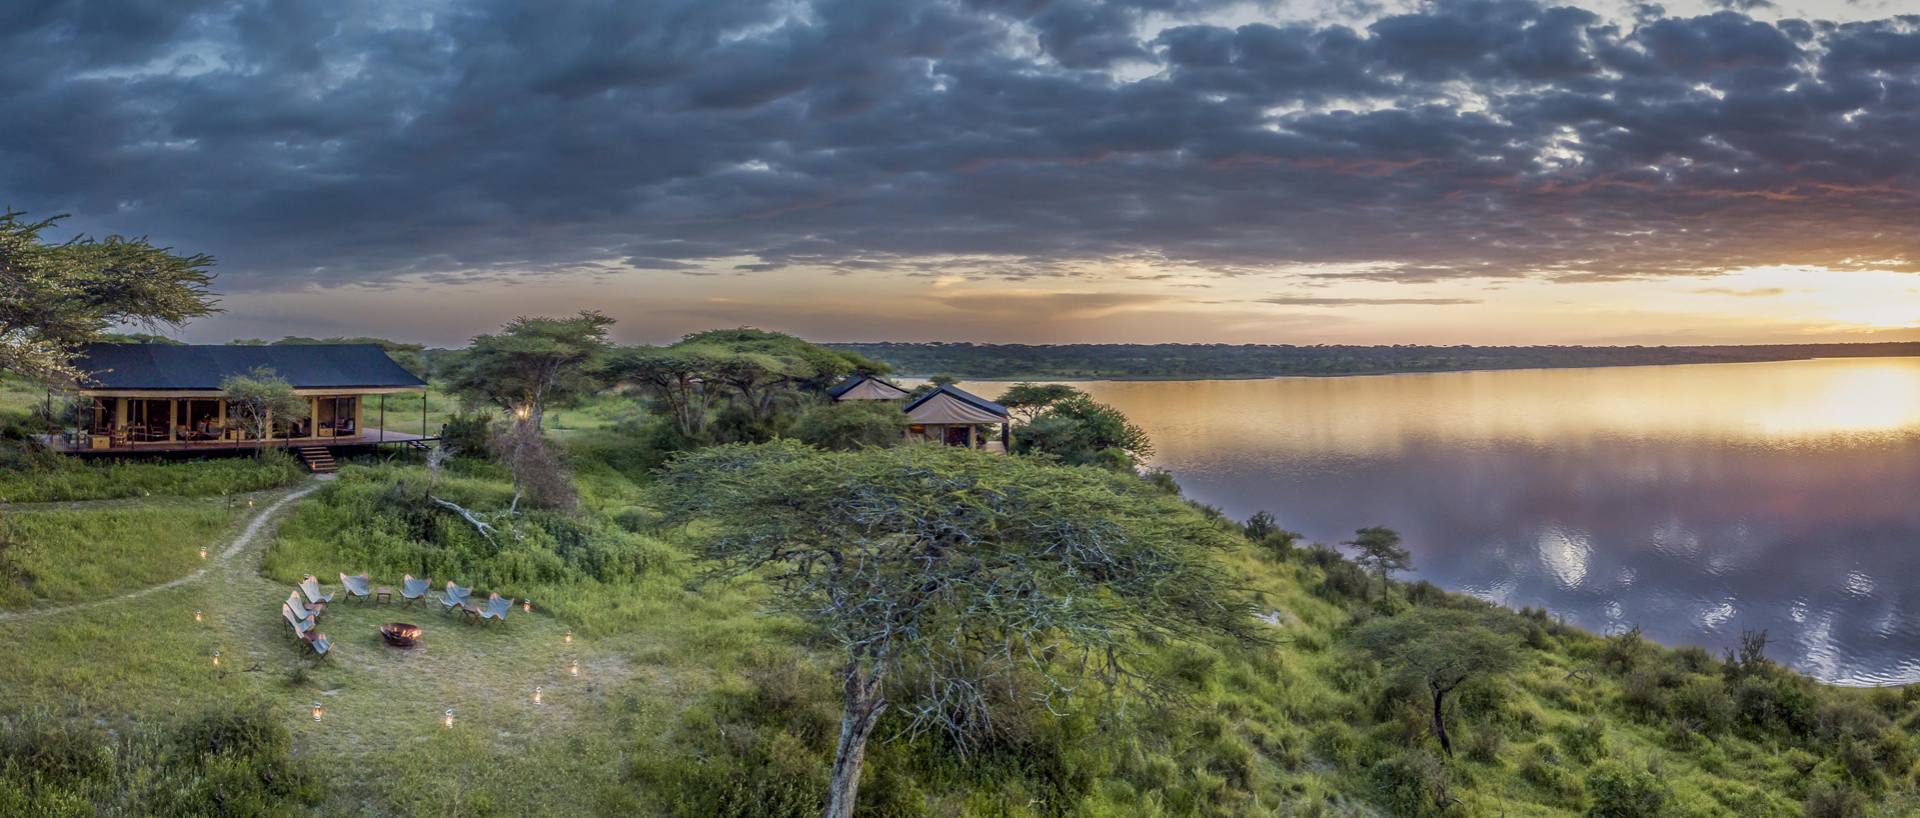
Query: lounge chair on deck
x=357 y=586
x=414 y=590
x=302 y=608
x=311 y=587
x=497 y=607
x=455 y=596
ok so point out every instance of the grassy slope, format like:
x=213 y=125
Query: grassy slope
x=78 y=553
x=684 y=690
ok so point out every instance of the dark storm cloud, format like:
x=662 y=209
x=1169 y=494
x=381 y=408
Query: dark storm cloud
x=357 y=141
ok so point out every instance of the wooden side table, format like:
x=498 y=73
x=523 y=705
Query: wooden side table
x=383 y=594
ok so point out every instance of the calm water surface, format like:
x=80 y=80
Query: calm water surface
x=1694 y=501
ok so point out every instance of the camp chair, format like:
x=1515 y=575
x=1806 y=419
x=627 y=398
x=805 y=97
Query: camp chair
x=301 y=624
x=497 y=607
x=357 y=586
x=454 y=597
x=319 y=643
x=302 y=608
x=311 y=587
x=414 y=590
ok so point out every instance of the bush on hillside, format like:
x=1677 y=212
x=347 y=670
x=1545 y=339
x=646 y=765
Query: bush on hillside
x=851 y=424
x=1623 y=792
x=65 y=478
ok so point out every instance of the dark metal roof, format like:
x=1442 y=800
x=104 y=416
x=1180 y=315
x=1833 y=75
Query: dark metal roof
x=964 y=396
x=855 y=380
x=306 y=366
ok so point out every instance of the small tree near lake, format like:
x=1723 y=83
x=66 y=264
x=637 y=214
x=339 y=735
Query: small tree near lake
x=961 y=570
x=1379 y=550
x=1439 y=649
x=257 y=399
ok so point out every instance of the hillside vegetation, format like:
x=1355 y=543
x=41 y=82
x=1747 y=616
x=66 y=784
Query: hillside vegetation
x=673 y=683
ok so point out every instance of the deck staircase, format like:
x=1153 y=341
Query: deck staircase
x=318 y=459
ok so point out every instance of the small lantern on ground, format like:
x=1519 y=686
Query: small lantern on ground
x=316 y=711
x=568 y=638
x=216 y=658
x=197 y=615
x=203 y=552
x=448 y=719
x=526 y=605
x=536 y=694
x=573 y=669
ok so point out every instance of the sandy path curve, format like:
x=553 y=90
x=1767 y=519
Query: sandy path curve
x=240 y=543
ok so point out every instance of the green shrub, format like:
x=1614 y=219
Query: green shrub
x=1413 y=784
x=1619 y=791
x=68 y=478
x=1832 y=799
x=851 y=424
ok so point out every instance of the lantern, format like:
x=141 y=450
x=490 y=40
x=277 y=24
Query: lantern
x=536 y=695
x=203 y=552
x=574 y=668
x=448 y=719
x=568 y=638
x=316 y=711
x=526 y=605
x=196 y=615
x=216 y=658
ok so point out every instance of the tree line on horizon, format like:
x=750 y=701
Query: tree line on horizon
x=1199 y=361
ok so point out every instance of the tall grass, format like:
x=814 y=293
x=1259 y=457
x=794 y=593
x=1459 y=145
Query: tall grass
x=61 y=479
x=64 y=555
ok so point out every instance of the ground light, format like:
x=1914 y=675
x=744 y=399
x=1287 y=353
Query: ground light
x=448 y=719
x=196 y=615
x=526 y=605
x=216 y=658
x=574 y=668
x=316 y=711
x=203 y=552
x=568 y=638
x=536 y=694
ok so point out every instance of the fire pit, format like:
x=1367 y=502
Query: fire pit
x=400 y=634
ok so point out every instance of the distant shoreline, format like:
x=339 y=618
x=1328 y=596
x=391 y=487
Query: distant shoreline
x=1199 y=362
x=1152 y=378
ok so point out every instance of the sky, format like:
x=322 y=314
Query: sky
x=1031 y=171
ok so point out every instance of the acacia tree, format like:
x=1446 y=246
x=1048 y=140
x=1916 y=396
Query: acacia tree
x=533 y=363
x=1379 y=550
x=55 y=296
x=1081 y=431
x=1439 y=649
x=1028 y=400
x=958 y=569
x=258 y=398
x=676 y=378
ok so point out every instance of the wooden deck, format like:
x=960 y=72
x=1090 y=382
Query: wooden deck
x=367 y=437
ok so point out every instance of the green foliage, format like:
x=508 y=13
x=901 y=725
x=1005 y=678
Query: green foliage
x=226 y=761
x=532 y=364
x=66 y=478
x=75 y=554
x=1438 y=649
x=1619 y=791
x=468 y=434
x=1080 y=431
x=1414 y=784
x=260 y=400
x=749 y=377
x=848 y=425
x=60 y=294
x=1027 y=400
x=1379 y=549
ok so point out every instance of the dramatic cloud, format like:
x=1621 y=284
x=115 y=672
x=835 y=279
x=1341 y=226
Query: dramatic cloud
x=362 y=141
x=1313 y=301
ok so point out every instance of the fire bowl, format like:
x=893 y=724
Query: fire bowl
x=400 y=634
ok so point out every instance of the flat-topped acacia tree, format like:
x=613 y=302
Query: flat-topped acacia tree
x=959 y=569
x=531 y=364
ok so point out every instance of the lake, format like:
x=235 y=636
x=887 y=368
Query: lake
x=1696 y=501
